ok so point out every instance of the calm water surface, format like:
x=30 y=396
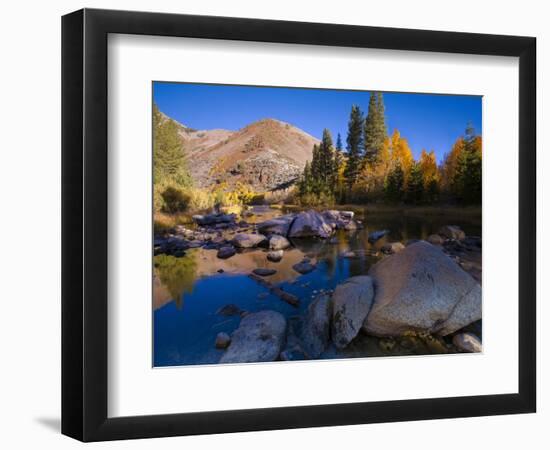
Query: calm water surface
x=188 y=291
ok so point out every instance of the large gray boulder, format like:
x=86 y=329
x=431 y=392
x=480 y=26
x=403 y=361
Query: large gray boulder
x=260 y=337
x=421 y=289
x=352 y=301
x=279 y=225
x=248 y=240
x=315 y=333
x=310 y=224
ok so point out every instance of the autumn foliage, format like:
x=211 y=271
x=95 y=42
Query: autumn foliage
x=382 y=168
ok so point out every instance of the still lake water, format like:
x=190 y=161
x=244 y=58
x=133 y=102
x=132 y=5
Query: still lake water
x=188 y=291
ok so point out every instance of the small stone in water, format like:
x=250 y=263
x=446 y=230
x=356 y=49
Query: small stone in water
x=223 y=340
x=264 y=272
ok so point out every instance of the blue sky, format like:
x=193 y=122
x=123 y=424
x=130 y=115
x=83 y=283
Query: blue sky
x=433 y=122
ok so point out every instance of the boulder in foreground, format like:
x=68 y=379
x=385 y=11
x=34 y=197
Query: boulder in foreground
x=259 y=338
x=352 y=301
x=316 y=327
x=421 y=289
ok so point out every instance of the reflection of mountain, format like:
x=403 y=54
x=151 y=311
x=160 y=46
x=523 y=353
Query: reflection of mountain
x=246 y=262
x=173 y=277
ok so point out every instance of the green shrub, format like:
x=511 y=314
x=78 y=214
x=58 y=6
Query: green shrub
x=175 y=199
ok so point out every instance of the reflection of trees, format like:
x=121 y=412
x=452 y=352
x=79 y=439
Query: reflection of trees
x=177 y=274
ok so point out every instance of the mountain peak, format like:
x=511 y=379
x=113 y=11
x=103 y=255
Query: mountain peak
x=265 y=154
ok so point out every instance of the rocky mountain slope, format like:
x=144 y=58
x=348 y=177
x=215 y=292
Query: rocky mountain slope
x=267 y=155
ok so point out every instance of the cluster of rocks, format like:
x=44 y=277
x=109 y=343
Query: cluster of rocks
x=310 y=224
x=418 y=290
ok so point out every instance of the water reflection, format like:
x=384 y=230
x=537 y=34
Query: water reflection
x=204 y=283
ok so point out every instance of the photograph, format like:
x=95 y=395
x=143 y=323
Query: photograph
x=299 y=224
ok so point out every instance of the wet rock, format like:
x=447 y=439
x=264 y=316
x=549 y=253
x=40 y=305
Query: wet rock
x=264 y=272
x=391 y=248
x=310 y=224
x=435 y=239
x=467 y=342
x=452 y=232
x=222 y=340
x=275 y=255
x=303 y=267
x=315 y=333
x=259 y=338
x=352 y=301
x=279 y=225
x=229 y=310
x=421 y=289
x=376 y=235
x=226 y=252
x=248 y=240
x=277 y=242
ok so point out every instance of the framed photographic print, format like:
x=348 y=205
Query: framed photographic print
x=274 y=224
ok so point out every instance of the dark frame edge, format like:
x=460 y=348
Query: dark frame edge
x=72 y=323
x=528 y=223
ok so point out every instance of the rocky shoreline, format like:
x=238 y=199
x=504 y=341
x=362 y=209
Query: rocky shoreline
x=425 y=290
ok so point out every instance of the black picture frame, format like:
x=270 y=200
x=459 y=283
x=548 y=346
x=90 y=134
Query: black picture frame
x=84 y=224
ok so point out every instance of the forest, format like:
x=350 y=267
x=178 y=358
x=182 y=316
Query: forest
x=374 y=167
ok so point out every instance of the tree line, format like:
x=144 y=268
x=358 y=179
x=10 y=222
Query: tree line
x=381 y=168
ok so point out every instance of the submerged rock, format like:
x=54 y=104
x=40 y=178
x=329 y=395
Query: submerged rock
x=275 y=255
x=310 y=224
x=222 y=340
x=303 y=267
x=467 y=342
x=452 y=232
x=352 y=301
x=277 y=242
x=259 y=338
x=421 y=289
x=248 y=240
x=315 y=333
x=264 y=272
x=229 y=310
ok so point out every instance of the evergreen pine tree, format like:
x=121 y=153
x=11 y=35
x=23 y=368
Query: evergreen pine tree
x=326 y=162
x=354 y=146
x=339 y=143
x=393 y=188
x=415 y=185
x=169 y=163
x=375 y=129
